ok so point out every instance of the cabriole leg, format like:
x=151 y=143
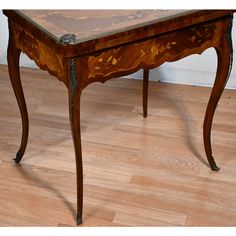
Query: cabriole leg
x=13 y=56
x=74 y=108
x=224 y=54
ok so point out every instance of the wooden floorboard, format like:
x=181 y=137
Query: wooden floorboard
x=137 y=172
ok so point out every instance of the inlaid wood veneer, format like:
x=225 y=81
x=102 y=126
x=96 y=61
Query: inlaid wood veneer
x=82 y=47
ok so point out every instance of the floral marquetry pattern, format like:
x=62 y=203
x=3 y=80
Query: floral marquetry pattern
x=44 y=56
x=82 y=47
x=152 y=52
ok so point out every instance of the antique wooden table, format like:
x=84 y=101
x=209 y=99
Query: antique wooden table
x=82 y=47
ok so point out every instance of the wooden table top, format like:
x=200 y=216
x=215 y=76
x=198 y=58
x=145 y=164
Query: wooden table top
x=101 y=29
x=90 y=24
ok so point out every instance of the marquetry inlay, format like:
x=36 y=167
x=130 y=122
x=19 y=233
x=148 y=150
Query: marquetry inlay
x=152 y=52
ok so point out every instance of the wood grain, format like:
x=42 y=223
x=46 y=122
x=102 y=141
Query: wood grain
x=163 y=22
x=86 y=24
x=152 y=53
x=149 y=172
x=43 y=55
x=79 y=63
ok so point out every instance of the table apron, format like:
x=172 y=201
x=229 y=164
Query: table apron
x=153 y=52
x=125 y=59
x=43 y=55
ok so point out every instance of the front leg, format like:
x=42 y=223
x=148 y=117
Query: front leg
x=13 y=56
x=74 y=109
x=225 y=57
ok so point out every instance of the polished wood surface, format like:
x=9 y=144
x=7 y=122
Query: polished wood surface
x=174 y=20
x=88 y=24
x=145 y=46
x=159 y=179
x=13 y=56
x=153 y=52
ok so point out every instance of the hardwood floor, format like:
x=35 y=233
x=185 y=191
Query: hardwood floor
x=137 y=172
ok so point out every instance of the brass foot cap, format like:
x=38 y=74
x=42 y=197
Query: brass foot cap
x=18 y=158
x=79 y=219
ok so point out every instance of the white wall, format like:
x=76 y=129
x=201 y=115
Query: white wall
x=195 y=69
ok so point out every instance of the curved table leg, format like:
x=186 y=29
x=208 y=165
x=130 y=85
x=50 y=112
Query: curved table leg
x=224 y=54
x=13 y=56
x=74 y=109
x=145 y=91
